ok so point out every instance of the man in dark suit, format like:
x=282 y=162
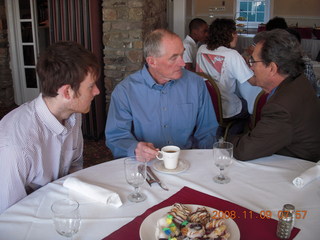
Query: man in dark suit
x=290 y=120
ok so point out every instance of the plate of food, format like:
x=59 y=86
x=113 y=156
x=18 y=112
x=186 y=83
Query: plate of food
x=188 y=220
x=240 y=25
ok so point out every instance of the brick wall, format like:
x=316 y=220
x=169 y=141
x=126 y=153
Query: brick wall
x=125 y=22
x=6 y=84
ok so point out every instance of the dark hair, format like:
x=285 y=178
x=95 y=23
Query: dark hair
x=65 y=63
x=220 y=33
x=276 y=22
x=196 y=23
x=283 y=49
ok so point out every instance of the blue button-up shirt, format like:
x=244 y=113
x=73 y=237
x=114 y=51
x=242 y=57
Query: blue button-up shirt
x=179 y=113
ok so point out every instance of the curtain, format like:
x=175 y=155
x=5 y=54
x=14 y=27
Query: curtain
x=81 y=21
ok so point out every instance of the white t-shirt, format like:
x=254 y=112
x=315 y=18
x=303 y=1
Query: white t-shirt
x=35 y=149
x=227 y=67
x=190 y=51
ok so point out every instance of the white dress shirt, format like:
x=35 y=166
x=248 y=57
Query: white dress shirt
x=35 y=149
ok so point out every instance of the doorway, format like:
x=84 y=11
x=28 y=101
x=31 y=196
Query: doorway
x=28 y=33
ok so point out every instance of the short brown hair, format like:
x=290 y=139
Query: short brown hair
x=65 y=63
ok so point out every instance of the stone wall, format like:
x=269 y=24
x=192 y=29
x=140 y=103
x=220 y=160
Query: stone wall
x=6 y=83
x=125 y=23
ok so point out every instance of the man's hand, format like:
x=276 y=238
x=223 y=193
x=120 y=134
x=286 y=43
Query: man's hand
x=146 y=150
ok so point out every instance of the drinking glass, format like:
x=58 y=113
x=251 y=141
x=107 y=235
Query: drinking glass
x=135 y=172
x=66 y=217
x=222 y=157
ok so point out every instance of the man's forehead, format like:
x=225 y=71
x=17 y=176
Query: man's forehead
x=171 y=45
x=257 y=49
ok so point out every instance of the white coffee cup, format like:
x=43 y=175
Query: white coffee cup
x=170 y=156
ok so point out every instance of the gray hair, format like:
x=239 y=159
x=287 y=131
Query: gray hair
x=283 y=49
x=152 y=43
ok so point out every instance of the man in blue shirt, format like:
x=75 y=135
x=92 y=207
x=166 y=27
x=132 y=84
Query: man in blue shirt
x=161 y=104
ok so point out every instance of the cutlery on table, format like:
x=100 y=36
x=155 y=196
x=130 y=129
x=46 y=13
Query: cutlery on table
x=155 y=179
x=149 y=179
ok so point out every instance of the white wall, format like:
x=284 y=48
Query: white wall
x=179 y=17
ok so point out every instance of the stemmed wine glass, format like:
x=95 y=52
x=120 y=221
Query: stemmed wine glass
x=222 y=157
x=135 y=172
x=66 y=217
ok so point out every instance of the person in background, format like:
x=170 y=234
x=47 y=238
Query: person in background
x=308 y=68
x=289 y=123
x=276 y=22
x=198 y=33
x=280 y=23
x=228 y=68
x=161 y=104
x=41 y=140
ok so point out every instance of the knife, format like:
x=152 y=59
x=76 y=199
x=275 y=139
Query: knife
x=149 y=179
x=157 y=180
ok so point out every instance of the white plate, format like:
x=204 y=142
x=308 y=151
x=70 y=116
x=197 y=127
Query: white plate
x=148 y=226
x=183 y=165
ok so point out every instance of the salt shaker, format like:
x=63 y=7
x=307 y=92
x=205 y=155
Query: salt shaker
x=286 y=221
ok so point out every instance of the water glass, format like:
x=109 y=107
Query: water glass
x=66 y=217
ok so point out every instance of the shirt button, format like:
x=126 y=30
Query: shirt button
x=165 y=126
x=163 y=92
x=164 y=109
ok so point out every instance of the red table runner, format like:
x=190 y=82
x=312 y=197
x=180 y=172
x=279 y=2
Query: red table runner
x=252 y=225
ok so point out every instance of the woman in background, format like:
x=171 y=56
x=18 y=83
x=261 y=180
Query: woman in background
x=228 y=68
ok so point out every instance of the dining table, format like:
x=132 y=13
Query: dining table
x=256 y=194
x=311 y=46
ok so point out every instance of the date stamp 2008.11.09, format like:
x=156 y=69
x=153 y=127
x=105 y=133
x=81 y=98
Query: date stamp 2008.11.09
x=249 y=214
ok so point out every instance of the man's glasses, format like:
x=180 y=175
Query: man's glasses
x=251 y=61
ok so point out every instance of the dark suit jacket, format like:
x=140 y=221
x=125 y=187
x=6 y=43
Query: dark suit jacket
x=289 y=125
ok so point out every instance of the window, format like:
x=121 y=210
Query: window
x=252 y=12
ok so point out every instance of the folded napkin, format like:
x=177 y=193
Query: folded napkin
x=92 y=191
x=251 y=227
x=308 y=176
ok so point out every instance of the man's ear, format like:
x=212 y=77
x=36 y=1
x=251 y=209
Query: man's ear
x=150 y=61
x=66 y=91
x=273 y=68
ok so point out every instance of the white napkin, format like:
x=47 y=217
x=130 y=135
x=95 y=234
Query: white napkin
x=92 y=191
x=308 y=176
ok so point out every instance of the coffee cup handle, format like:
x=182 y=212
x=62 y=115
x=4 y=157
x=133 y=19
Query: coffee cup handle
x=160 y=155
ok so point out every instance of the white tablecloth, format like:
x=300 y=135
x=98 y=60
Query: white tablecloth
x=260 y=185
x=310 y=46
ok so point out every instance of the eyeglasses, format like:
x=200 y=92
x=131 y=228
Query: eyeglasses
x=251 y=61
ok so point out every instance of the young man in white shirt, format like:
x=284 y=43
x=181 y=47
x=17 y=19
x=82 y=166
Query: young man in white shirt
x=41 y=140
x=198 y=33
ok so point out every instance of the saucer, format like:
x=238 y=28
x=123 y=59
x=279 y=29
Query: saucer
x=183 y=165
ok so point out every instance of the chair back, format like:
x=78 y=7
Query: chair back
x=260 y=101
x=214 y=94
